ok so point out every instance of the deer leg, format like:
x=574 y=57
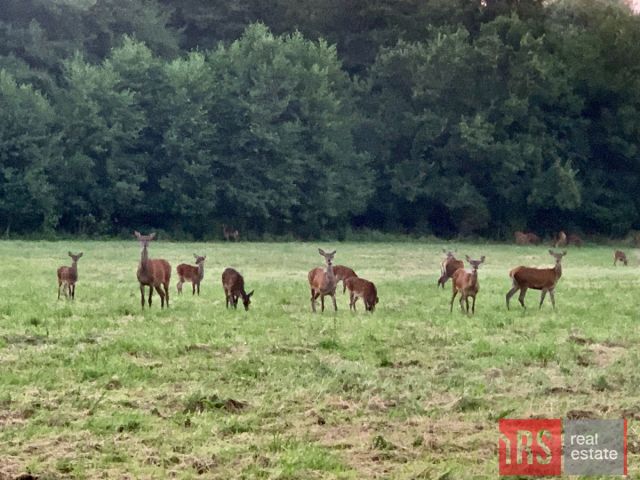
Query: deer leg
x=455 y=292
x=542 y=295
x=462 y=299
x=166 y=292
x=313 y=300
x=142 y=295
x=235 y=301
x=193 y=287
x=59 y=285
x=510 y=294
x=523 y=292
x=473 y=305
x=150 y=294
x=161 y=293
x=73 y=291
x=198 y=288
x=335 y=305
x=553 y=298
x=179 y=286
x=322 y=302
x=352 y=303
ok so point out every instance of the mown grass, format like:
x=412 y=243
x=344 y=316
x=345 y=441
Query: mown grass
x=98 y=388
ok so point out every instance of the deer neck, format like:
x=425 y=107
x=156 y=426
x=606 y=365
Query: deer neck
x=329 y=273
x=473 y=278
x=144 y=258
x=201 y=270
x=558 y=270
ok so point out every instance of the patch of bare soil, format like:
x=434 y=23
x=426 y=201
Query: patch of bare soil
x=606 y=353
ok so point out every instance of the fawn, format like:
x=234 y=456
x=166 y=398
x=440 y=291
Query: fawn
x=68 y=276
x=190 y=273
x=364 y=289
x=619 y=255
x=323 y=282
x=448 y=266
x=342 y=273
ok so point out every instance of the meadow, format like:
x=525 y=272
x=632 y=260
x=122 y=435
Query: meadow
x=98 y=388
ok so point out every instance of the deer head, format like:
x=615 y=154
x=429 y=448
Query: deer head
x=475 y=263
x=75 y=258
x=144 y=239
x=246 y=299
x=199 y=259
x=328 y=257
x=557 y=256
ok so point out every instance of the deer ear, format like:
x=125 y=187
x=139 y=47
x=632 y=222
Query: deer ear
x=333 y=253
x=482 y=259
x=467 y=257
x=152 y=236
x=136 y=234
x=70 y=254
x=321 y=251
x=80 y=254
x=250 y=293
x=550 y=252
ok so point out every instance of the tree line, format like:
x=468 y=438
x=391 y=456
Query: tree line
x=309 y=118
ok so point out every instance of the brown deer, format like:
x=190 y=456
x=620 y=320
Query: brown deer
x=619 y=255
x=448 y=266
x=560 y=240
x=574 y=239
x=467 y=284
x=230 y=232
x=342 y=273
x=153 y=273
x=192 y=274
x=544 y=279
x=233 y=285
x=521 y=238
x=68 y=276
x=323 y=282
x=364 y=289
x=533 y=238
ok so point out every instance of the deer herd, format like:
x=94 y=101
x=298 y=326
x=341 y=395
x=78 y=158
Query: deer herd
x=323 y=281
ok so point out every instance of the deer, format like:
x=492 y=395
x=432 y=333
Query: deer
x=342 y=273
x=233 y=285
x=364 y=289
x=230 y=232
x=574 y=239
x=561 y=240
x=190 y=273
x=152 y=273
x=323 y=282
x=448 y=266
x=521 y=238
x=544 y=279
x=533 y=238
x=621 y=256
x=68 y=276
x=467 y=284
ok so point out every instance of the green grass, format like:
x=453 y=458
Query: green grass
x=98 y=388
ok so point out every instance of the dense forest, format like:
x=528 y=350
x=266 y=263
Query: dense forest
x=319 y=117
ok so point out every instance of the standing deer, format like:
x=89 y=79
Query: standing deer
x=574 y=239
x=448 y=266
x=323 y=282
x=544 y=279
x=68 y=276
x=230 y=232
x=521 y=238
x=154 y=273
x=364 y=289
x=233 y=285
x=619 y=255
x=467 y=284
x=191 y=273
x=561 y=240
x=342 y=273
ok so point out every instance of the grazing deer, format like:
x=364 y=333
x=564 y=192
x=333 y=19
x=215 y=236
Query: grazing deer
x=154 y=273
x=191 y=273
x=544 y=279
x=533 y=238
x=68 y=276
x=467 y=284
x=230 y=232
x=364 y=289
x=521 y=238
x=342 y=273
x=574 y=239
x=619 y=255
x=561 y=240
x=448 y=266
x=233 y=285
x=323 y=282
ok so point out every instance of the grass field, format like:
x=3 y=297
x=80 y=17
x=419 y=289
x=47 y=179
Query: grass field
x=96 y=388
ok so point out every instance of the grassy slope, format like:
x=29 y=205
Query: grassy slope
x=96 y=388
